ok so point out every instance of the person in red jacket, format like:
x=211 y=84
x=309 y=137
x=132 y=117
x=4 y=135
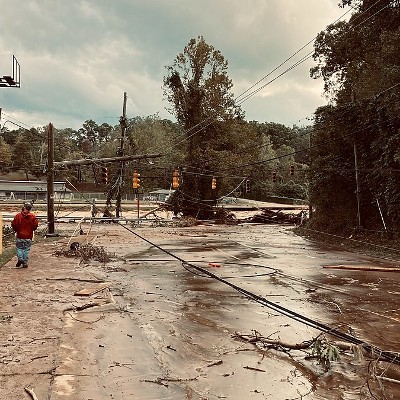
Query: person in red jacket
x=24 y=224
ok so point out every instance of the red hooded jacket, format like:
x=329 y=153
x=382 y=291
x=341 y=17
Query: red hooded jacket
x=24 y=225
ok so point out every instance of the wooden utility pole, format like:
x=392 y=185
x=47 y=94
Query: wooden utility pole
x=357 y=186
x=356 y=171
x=50 y=181
x=120 y=154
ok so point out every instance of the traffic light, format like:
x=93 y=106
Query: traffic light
x=175 y=179
x=136 y=180
x=274 y=176
x=104 y=175
x=247 y=186
x=214 y=183
x=292 y=170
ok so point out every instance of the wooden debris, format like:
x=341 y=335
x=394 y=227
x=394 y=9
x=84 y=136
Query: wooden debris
x=93 y=289
x=31 y=393
x=254 y=369
x=81 y=308
x=363 y=268
x=86 y=253
x=269 y=216
x=216 y=362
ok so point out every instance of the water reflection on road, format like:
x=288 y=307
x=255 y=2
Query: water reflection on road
x=195 y=316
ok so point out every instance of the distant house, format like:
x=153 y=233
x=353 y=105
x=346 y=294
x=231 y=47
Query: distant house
x=32 y=190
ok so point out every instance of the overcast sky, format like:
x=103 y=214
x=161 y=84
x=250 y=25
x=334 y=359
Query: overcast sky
x=78 y=57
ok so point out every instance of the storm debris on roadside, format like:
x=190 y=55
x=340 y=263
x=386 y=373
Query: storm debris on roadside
x=269 y=216
x=223 y=216
x=5 y=318
x=86 y=252
x=323 y=350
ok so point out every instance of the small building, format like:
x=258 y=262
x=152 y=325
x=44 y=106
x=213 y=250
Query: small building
x=32 y=190
x=160 y=195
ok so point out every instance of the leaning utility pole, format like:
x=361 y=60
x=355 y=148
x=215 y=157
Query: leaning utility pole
x=120 y=154
x=50 y=181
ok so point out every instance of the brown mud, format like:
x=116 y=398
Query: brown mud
x=164 y=330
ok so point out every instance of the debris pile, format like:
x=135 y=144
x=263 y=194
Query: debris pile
x=223 y=216
x=269 y=216
x=85 y=252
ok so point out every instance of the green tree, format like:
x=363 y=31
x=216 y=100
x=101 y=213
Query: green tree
x=199 y=89
x=5 y=153
x=359 y=62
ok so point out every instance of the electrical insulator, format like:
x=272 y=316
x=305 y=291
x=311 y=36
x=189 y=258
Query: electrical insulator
x=213 y=183
x=274 y=176
x=247 y=186
x=136 y=180
x=104 y=175
x=175 y=179
x=292 y=170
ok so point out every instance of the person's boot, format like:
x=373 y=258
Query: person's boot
x=19 y=263
x=25 y=265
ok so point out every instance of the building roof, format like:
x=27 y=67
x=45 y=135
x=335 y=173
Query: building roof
x=31 y=186
x=162 y=191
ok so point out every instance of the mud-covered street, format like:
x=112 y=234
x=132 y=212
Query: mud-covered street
x=151 y=326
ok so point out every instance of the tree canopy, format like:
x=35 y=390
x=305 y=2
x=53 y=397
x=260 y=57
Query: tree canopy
x=355 y=161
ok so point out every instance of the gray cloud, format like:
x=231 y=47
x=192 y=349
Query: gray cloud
x=78 y=57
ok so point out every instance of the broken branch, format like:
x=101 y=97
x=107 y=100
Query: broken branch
x=31 y=393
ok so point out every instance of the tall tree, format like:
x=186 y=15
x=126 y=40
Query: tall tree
x=360 y=63
x=199 y=89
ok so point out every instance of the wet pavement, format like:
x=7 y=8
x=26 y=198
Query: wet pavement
x=166 y=330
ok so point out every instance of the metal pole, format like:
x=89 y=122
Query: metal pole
x=380 y=212
x=120 y=154
x=357 y=186
x=50 y=181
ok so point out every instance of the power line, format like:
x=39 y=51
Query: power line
x=242 y=97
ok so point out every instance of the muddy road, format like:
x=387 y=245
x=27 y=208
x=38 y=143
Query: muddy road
x=153 y=324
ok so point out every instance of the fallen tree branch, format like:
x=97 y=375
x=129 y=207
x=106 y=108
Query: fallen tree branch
x=31 y=393
x=76 y=279
x=272 y=343
x=163 y=381
x=80 y=308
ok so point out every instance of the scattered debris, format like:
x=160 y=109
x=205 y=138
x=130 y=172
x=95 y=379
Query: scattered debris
x=223 y=216
x=74 y=246
x=254 y=369
x=187 y=221
x=5 y=318
x=31 y=393
x=215 y=265
x=86 y=253
x=269 y=216
x=83 y=307
x=363 y=268
x=163 y=381
x=323 y=350
x=93 y=289
x=216 y=362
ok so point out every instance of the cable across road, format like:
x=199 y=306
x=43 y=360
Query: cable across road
x=388 y=356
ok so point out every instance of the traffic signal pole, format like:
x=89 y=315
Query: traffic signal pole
x=122 y=165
